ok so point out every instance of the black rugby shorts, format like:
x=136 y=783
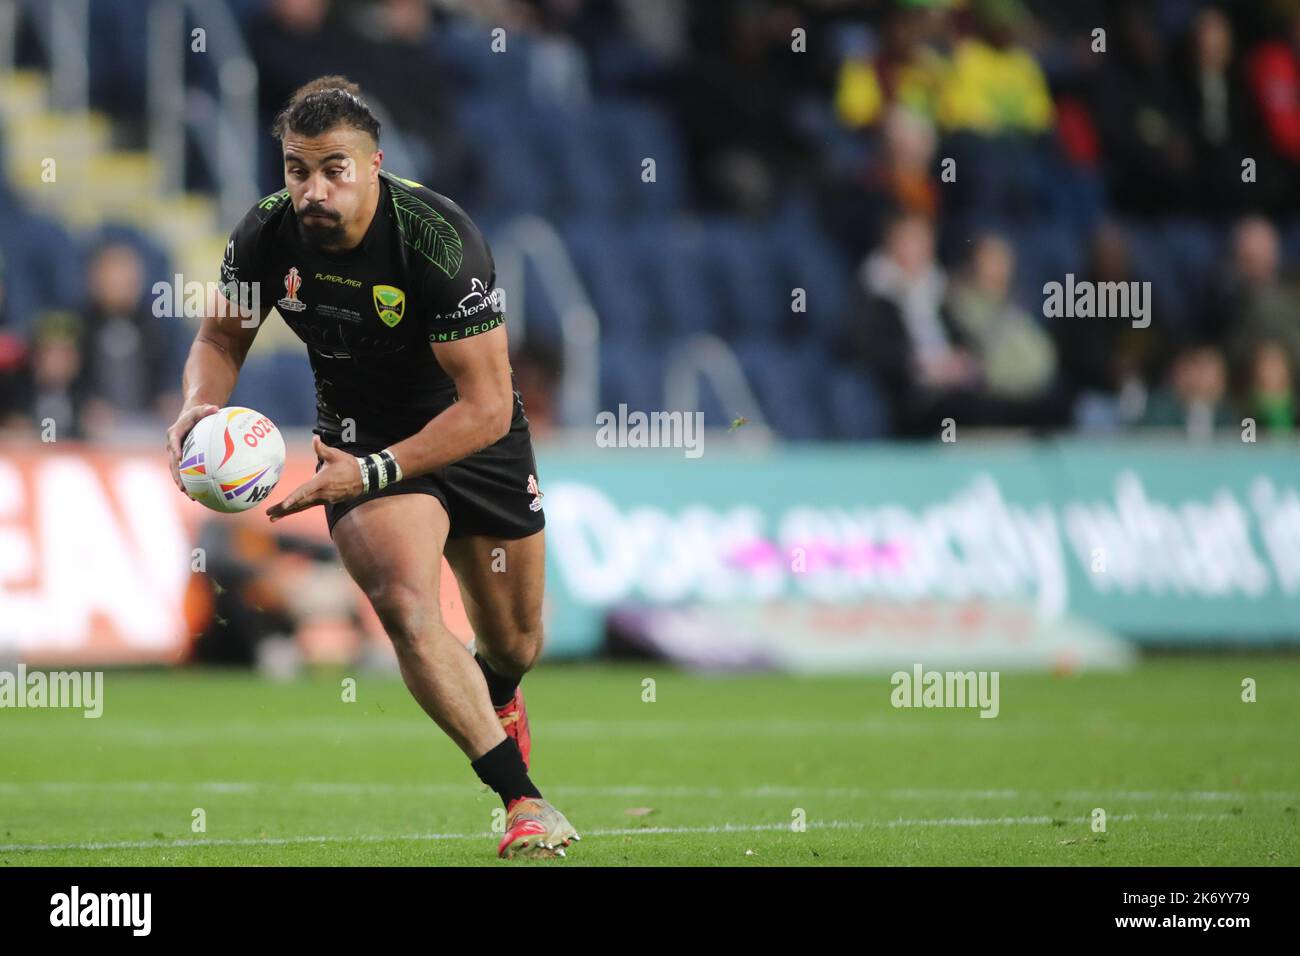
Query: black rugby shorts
x=491 y=492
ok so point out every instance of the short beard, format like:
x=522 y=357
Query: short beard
x=316 y=235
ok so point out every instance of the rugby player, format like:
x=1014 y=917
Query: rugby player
x=422 y=444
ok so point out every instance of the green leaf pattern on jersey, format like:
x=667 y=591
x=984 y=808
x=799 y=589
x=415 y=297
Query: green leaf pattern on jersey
x=275 y=200
x=427 y=232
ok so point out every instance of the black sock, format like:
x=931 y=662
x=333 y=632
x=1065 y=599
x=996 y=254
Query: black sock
x=502 y=769
x=500 y=689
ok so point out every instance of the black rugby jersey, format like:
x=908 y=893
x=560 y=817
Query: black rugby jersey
x=422 y=274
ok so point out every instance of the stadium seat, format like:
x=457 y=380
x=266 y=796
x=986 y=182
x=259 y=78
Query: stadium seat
x=750 y=289
x=118 y=56
x=634 y=132
x=786 y=379
x=464 y=49
x=801 y=257
x=1045 y=252
x=684 y=296
x=567 y=142
x=632 y=374
x=617 y=285
x=278 y=384
x=44 y=269
x=855 y=407
x=1152 y=260
x=515 y=176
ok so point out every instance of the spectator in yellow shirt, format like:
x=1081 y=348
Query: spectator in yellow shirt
x=995 y=85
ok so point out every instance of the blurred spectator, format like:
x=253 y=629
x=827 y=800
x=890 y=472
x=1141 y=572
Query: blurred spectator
x=1147 y=155
x=130 y=355
x=971 y=355
x=1017 y=357
x=896 y=178
x=1218 y=115
x=907 y=71
x=1273 y=73
x=734 y=97
x=393 y=62
x=292 y=41
x=14 y=370
x=1270 y=389
x=905 y=177
x=900 y=332
x=14 y=374
x=1253 y=304
x=537 y=380
x=264 y=590
x=56 y=386
x=562 y=28
x=995 y=84
x=1195 y=398
x=1106 y=362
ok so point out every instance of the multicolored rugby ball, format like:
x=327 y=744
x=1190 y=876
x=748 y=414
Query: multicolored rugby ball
x=232 y=459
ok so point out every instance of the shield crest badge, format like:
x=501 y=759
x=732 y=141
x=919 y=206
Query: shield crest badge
x=390 y=303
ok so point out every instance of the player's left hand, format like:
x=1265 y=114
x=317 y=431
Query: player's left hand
x=338 y=480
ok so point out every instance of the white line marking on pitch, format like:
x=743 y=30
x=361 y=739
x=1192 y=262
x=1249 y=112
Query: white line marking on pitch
x=634 y=790
x=369 y=727
x=626 y=831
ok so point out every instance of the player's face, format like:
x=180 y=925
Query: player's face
x=332 y=180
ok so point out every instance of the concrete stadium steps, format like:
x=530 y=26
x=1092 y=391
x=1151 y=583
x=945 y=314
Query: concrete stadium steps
x=198 y=257
x=179 y=221
x=95 y=183
x=33 y=139
x=23 y=93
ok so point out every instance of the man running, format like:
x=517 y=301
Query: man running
x=422 y=442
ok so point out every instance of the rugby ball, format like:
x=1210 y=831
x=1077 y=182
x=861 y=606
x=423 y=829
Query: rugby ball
x=232 y=459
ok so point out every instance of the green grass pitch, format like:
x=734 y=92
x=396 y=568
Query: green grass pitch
x=713 y=771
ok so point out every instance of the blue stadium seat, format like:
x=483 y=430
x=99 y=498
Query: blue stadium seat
x=1290 y=243
x=633 y=132
x=856 y=408
x=618 y=286
x=44 y=268
x=1045 y=252
x=1193 y=249
x=631 y=374
x=753 y=296
x=568 y=144
x=464 y=50
x=280 y=385
x=515 y=175
x=683 y=293
x=1153 y=262
x=787 y=380
x=801 y=257
x=118 y=56
x=623 y=66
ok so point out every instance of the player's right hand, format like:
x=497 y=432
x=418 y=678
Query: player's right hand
x=188 y=418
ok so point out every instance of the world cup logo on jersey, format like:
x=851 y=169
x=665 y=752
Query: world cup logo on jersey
x=292 y=283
